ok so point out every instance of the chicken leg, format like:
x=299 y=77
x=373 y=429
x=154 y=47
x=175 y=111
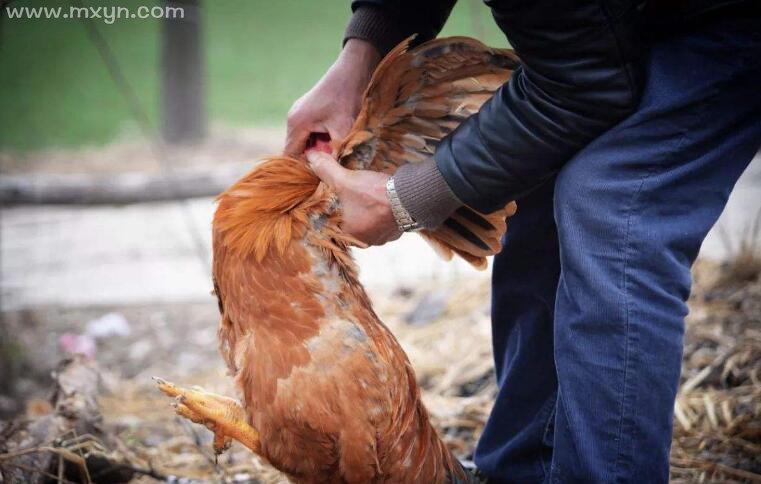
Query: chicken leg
x=222 y=415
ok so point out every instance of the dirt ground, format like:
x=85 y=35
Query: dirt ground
x=717 y=428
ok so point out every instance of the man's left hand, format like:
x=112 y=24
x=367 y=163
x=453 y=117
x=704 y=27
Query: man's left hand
x=366 y=210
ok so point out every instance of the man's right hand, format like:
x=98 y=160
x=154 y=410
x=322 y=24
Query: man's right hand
x=334 y=102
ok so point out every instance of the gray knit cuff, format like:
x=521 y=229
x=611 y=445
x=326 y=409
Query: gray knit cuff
x=425 y=194
x=377 y=26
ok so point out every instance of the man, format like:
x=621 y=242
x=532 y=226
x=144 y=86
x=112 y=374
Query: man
x=620 y=138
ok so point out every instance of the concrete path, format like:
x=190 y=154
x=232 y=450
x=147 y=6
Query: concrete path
x=138 y=254
x=144 y=253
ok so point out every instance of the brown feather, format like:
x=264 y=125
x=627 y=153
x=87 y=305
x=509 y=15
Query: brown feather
x=325 y=384
x=414 y=99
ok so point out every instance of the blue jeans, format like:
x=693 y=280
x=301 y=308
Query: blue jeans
x=589 y=291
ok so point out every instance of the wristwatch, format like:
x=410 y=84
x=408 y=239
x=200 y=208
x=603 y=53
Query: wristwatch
x=401 y=215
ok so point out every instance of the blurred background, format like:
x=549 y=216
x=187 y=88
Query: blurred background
x=116 y=133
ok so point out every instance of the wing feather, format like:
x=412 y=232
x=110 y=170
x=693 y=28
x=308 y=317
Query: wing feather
x=414 y=99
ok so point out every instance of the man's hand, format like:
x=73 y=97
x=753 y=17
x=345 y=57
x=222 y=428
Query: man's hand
x=365 y=207
x=334 y=102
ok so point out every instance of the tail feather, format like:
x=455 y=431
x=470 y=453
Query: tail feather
x=472 y=235
x=414 y=99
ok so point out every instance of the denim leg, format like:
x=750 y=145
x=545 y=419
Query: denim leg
x=524 y=283
x=632 y=210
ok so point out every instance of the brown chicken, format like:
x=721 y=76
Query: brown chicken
x=328 y=395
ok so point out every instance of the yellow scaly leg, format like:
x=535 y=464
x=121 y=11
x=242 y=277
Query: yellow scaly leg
x=222 y=415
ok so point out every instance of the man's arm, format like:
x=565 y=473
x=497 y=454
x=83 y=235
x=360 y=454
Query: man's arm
x=375 y=28
x=334 y=102
x=581 y=74
x=385 y=23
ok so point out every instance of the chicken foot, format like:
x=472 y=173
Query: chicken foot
x=222 y=415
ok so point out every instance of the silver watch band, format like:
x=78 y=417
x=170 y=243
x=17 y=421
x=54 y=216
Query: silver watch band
x=402 y=217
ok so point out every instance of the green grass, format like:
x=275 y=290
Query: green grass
x=261 y=55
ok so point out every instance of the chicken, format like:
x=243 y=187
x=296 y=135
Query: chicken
x=328 y=394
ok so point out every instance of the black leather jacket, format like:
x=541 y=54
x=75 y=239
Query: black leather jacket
x=582 y=72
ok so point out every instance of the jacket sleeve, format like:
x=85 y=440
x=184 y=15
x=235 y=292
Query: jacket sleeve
x=385 y=23
x=581 y=73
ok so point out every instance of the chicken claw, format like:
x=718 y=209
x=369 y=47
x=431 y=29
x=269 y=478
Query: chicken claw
x=222 y=415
